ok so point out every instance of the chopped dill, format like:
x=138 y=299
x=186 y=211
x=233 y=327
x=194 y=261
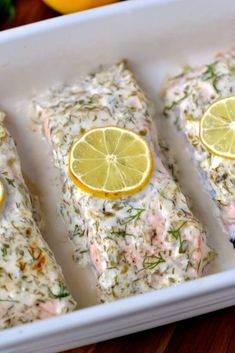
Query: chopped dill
x=135 y=214
x=89 y=104
x=77 y=232
x=174 y=103
x=177 y=235
x=210 y=74
x=121 y=232
x=10 y=181
x=62 y=293
x=151 y=262
x=4 y=249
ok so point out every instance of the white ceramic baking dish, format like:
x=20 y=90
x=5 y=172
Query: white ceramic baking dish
x=157 y=37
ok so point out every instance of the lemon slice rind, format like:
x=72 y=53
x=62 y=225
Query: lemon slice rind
x=129 y=147
x=217 y=132
x=2 y=194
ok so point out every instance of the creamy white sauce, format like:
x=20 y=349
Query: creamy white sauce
x=186 y=99
x=29 y=274
x=132 y=243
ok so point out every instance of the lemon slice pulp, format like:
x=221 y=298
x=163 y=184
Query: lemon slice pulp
x=217 y=128
x=2 y=194
x=110 y=162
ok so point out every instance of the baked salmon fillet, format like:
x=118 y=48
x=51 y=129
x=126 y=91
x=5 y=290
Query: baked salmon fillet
x=32 y=286
x=142 y=242
x=186 y=98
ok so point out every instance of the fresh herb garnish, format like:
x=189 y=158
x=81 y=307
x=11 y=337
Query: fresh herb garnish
x=135 y=214
x=177 y=235
x=129 y=115
x=62 y=293
x=89 y=103
x=151 y=262
x=10 y=181
x=4 y=249
x=108 y=214
x=210 y=74
x=117 y=206
x=121 y=232
x=83 y=252
x=77 y=232
x=174 y=103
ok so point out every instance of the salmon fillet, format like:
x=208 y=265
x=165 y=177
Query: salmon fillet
x=32 y=286
x=146 y=241
x=186 y=98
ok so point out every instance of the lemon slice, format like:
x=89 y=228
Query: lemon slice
x=2 y=194
x=110 y=162
x=217 y=128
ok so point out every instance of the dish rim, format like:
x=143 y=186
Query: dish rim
x=135 y=304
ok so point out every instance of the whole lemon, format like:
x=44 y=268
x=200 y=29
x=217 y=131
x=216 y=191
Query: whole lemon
x=69 y=6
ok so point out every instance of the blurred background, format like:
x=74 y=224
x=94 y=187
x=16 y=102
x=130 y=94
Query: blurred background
x=19 y=12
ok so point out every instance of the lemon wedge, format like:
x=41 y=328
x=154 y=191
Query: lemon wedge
x=110 y=162
x=217 y=128
x=2 y=194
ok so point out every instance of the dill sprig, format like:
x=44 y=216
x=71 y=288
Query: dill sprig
x=129 y=115
x=62 y=292
x=4 y=249
x=77 y=232
x=174 y=103
x=177 y=235
x=135 y=214
x=151 y=262
x=121 y=232
x=210 y=74
x=10 y=182
x=89 y=103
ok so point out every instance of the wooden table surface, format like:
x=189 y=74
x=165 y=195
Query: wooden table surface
x=211 y=333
